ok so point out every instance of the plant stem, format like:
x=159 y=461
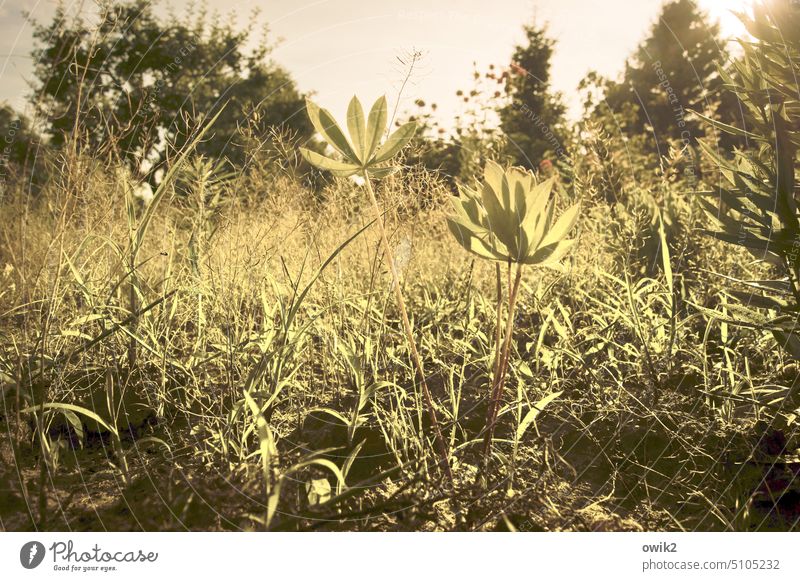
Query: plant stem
x=501 y=366
x=401 y=305
x=498 y=336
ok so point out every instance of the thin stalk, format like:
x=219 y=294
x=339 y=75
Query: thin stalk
x=498 y=337
x=401 y=305
x=499 y=381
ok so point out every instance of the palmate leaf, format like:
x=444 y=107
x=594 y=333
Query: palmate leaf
x=362 y=151
x=382 y=172
x=493 y=175
x=337 y=168
x=468 y=212
x=537 y=202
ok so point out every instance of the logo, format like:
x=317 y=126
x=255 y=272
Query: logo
x=31 y=554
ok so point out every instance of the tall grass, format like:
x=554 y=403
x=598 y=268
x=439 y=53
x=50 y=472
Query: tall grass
x=245 y=352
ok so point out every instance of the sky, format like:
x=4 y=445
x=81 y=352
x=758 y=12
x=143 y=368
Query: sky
x=336 y=48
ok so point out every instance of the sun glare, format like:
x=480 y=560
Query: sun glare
x=725 y=11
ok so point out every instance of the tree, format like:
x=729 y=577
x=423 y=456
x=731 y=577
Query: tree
x=135 y=80
x=19 y=148
x=672 y=72
x=533 y=118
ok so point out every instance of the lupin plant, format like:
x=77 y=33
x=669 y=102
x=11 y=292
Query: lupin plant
x=510 y=218
x=367 y=154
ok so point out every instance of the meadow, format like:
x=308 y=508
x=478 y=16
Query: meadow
x=256 y=349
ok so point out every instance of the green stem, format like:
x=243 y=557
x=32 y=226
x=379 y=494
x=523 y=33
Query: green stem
x=401 y=305
x=502 y=368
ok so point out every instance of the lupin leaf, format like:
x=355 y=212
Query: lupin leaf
x=396 y=141
x=357 y=127
x=338 y=168
x=326 y=126
x=376 y=125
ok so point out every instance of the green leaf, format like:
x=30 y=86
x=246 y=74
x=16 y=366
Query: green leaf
x=326 y=126
x=534 y=412
x=382 y=172
x=472 y=243
x=376 y=125
x=549 y=255
x=357 y=128
x=396 y=141
x=728 y=128
x=337 y=168
x=563 y=226
x=68 y=407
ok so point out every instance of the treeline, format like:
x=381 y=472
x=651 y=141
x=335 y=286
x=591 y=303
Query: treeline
x=133 y=86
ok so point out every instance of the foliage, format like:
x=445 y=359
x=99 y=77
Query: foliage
x=756 y=204
x=510 y=220
x=673 y=71
x=134 y=79
x=365 y=154
x=533 y=118
x=228 y=356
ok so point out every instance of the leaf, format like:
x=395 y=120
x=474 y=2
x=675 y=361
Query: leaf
x=755 y=300
x=376 y=125
x=379 y=173
x=348 y=463
x=357 y=128
x=785 y=160
x=539 y=197
x=68 y=407
x=396 y=141
x=728 y=128
x=665 y=258
x=268 y=452
x=318 y=491
x=549 y=255
x=326 y=126
x=562 y=226
x=500 y=220
x=493 y=175
x=75 y=422
x=337 y=168
x=534 y=412
x=331 y=412
x=472 y=243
